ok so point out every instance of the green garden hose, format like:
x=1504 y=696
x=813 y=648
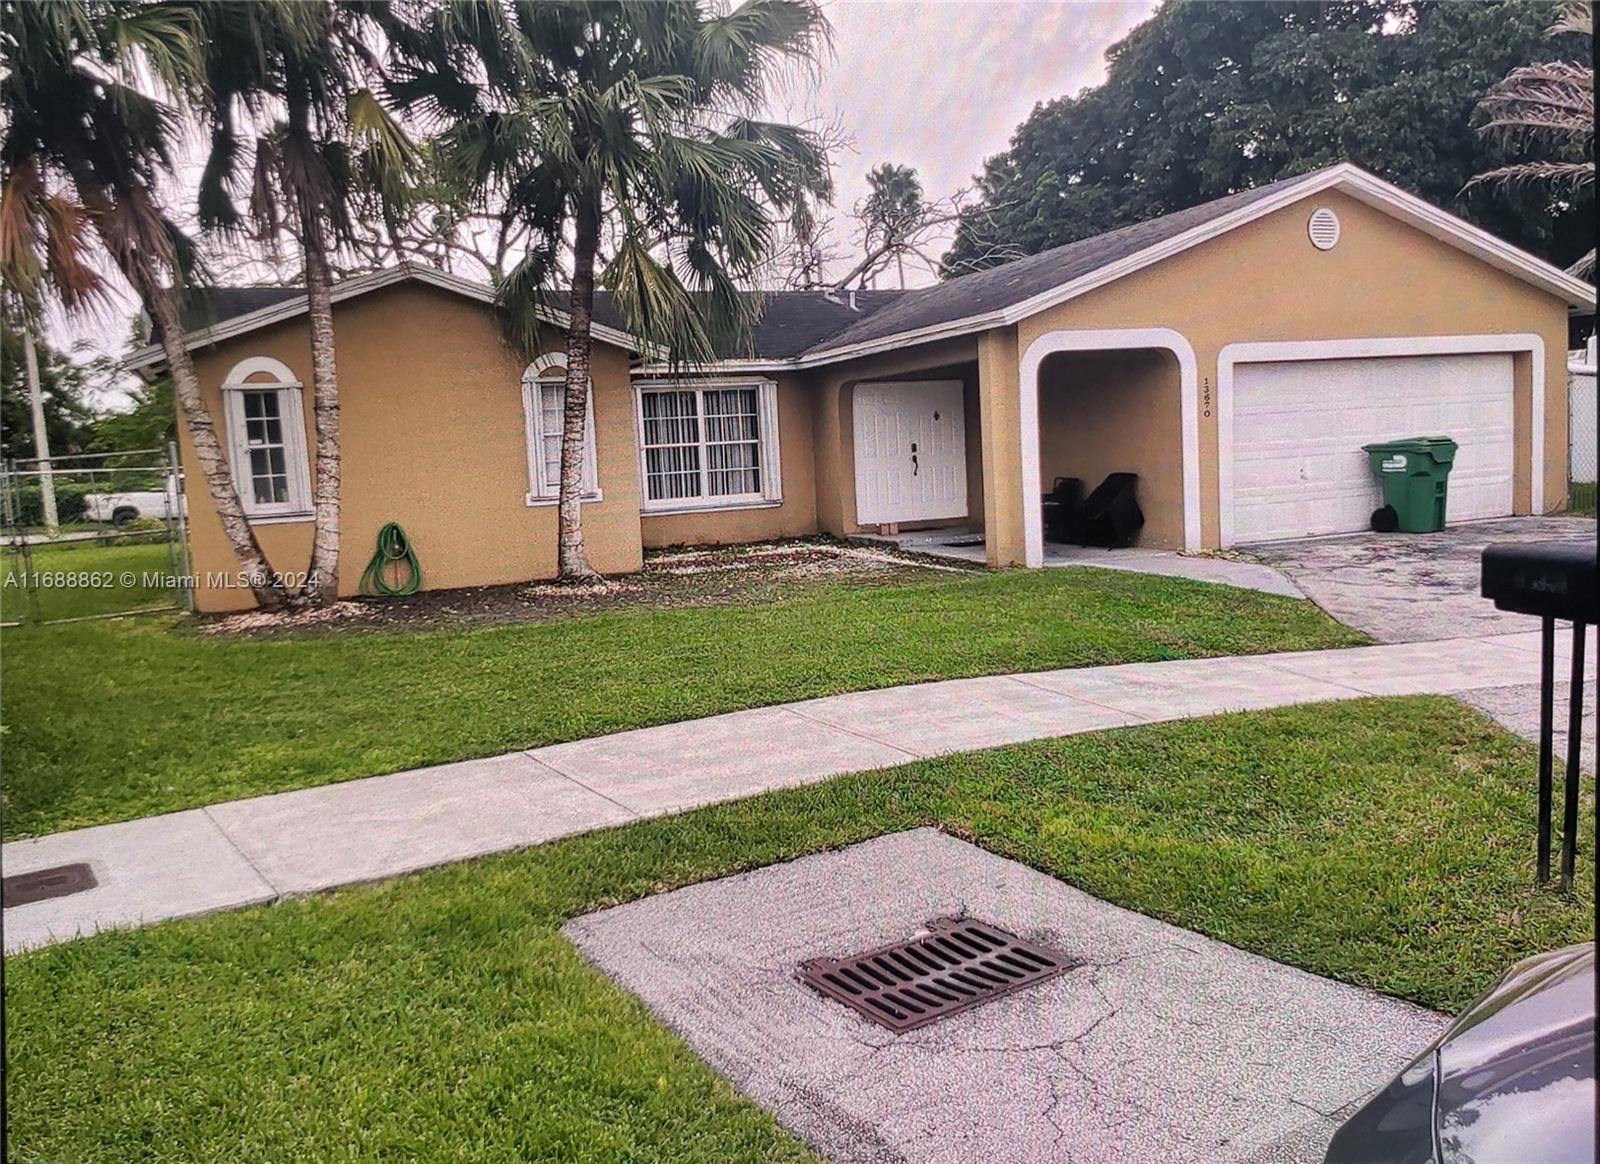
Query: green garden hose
x=394 y=549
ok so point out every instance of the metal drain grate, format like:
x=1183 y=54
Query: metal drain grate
x=958 y=964
x=42 y=884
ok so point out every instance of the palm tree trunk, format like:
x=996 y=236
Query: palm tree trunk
x=572 y=564
x=162 y=304
x=322 y=579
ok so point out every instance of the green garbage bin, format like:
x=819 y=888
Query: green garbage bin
x=1415 y=475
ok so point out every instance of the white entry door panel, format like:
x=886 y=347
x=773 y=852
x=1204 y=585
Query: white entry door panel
x=1298 y=428
x=911 y=451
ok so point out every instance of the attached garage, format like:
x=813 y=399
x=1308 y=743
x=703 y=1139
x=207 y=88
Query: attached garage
x=1298 y=427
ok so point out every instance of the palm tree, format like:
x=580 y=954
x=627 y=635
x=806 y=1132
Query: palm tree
x=335 y=149
x=83 y=152
x=625 y=127
x=1552 y=104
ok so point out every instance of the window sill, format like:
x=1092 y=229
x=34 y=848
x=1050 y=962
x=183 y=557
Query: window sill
x=668 y=510
x=538 y=501
x=297 y=517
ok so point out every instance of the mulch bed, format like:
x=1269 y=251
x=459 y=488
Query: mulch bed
x=677 y=577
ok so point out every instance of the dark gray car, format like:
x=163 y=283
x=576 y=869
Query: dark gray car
x=1511 y=1082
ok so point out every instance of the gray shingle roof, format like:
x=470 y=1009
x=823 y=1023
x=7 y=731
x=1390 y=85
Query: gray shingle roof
x=798 y=323
x=1012 y=283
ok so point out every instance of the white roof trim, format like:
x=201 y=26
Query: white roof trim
x=1347 y=178
x=350 y=289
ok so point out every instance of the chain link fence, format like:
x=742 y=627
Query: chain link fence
x=93 y=536
x=1581 y=376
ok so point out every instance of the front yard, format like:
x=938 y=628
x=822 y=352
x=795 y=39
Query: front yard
x=107 y=721
x=1386 y=843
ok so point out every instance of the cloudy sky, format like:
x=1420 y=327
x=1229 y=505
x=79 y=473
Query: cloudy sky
x=941 y=84
x=934 y=84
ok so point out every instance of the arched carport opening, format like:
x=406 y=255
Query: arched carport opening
x=1095 y=403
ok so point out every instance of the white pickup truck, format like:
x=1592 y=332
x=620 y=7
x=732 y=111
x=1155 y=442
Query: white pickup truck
x=121 y=508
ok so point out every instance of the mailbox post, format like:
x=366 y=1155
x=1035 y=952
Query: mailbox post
x=1552 y=580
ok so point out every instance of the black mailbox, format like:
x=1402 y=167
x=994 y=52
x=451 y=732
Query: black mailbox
x=1552 y=580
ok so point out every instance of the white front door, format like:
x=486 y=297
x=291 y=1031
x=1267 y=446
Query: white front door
x=911 y=451
x=1298 y=428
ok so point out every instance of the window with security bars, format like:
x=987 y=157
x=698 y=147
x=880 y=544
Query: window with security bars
x=707 y=447
x=544 y=395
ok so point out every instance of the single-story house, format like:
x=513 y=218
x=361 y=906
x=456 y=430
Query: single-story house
x=1236 y=356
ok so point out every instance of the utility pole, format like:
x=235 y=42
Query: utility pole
x=41 y=439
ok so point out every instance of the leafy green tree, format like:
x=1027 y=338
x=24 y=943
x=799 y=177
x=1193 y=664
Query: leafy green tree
x=148 y=423
x=1205 y=98
x=294 y=75
x=91 y=130
x=62 y=382
x=622 y=134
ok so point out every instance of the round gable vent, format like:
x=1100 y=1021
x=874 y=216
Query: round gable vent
x=1323 y=228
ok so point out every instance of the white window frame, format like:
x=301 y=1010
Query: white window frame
x=544 y=371
x=771 y=493
x=270 y=375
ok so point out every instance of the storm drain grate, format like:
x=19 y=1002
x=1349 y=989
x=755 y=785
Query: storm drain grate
x=958 y=964
x=42 y=884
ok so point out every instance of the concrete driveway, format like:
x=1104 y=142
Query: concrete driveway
x=1409 y=587
x=1402 y=588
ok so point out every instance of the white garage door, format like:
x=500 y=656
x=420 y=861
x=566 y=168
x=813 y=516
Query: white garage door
x=1298 y=428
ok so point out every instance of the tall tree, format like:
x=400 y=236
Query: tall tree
x=1549 y=106
x=622 y=134
x=296 y=74
x=84 y=150
x=1204 y=99
x=67 y=415
x=891 y=212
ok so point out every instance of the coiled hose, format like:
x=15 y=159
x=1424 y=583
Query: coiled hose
x=394 y=553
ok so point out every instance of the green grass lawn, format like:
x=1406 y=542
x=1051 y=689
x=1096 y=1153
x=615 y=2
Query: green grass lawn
x=81 y=579
x=1582 y=499
x=1386 y=843
x=112 y=720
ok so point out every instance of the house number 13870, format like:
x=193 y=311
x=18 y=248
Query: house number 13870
x=1205 y=395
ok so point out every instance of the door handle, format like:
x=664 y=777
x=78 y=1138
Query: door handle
x=913 y=458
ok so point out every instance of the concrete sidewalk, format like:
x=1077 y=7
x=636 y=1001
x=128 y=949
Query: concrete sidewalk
x=249 y=851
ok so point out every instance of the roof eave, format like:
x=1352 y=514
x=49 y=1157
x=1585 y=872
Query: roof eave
x=152 y=355
x=1351 y=179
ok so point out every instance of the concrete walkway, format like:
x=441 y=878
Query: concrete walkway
x=258 y=850
x=964 y=545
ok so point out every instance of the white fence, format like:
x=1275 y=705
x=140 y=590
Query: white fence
x=1581 y=401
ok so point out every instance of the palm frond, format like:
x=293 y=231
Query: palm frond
x=1561 y=175
x=522 y=298
x=1577 y=17
x=655 y=305
x=166 y=38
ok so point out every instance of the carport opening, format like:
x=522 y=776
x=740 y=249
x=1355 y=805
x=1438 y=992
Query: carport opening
x=1120 y=411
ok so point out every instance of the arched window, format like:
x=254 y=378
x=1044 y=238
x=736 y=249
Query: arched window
x=544 y=386
x=267 y=439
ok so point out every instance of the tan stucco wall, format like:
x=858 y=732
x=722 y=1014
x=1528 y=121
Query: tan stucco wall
x=833 y=401
x=1001 y=442
x=432 y=437
x=1116 y=412
x=1266 y=282
x=795 y=517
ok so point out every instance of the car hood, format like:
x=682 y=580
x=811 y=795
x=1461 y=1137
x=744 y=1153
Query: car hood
x=1515 y=1073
